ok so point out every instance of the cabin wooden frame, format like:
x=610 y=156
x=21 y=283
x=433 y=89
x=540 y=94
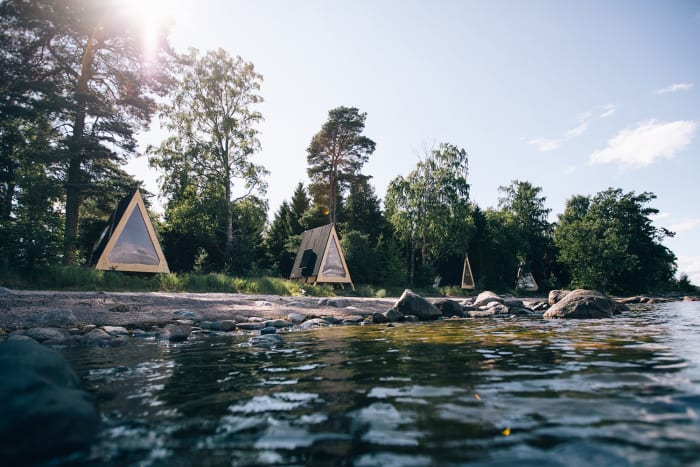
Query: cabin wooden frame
x=467 y=276
x=149 y=257
x=320 y=258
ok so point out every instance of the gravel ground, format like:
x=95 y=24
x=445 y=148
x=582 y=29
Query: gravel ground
x=18 y=309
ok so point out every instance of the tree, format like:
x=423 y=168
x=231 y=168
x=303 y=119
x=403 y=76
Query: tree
x=213 y=120
x=362 y=211
x=336 y=156
x=284 y=235
x=608 y=242
x=429 y=209
x=527 y=218
x=85 y=61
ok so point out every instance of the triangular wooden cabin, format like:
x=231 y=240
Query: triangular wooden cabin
x=526 y=281
x=129 y=242
x=467 y=276
x=320 y=258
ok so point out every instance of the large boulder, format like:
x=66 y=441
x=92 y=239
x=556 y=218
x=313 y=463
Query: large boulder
x=582 y=304
x=556 y=296
x=484 y=298
x=411 y=304
x=45 y=413
x=56 y=318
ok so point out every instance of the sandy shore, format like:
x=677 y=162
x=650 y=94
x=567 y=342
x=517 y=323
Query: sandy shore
x=19 y=309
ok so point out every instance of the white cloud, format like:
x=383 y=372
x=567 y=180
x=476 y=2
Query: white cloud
x=643 y=144
x=675 y=87
x=550 y=144
x=608 y=110
x=690 y=265
x=660 y=216
x=686 y=225
x=544 y=144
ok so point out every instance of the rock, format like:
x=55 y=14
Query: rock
x=411 y=304
x=4 y=291
x=222 y=325
x=45 y=413
x=484 y=298
x=314 y=323
x=330 y=319
x=295 y=318
x=263 y=303
x=276 y=323
x=120 y=308
x=115 y=330
x=99 y=338
x=255 y=319
x=338 y=302
x=46 y=334
x=449 y=308
x=19 y=337
x=268 y=330
x=539 y=306
x=175 y=332
x=582 y=304
x=379 y=318
x=266 y=340
x=556 y=296
x=187 y=314
x=488 y=313
x=519 y=311
x=689 y=298
x=58 y=318
x=393 y=315
x=497 y=308
x=633 y=300
x=251 y=326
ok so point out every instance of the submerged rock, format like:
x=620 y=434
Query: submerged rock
x=582 y=304
x=45 y=413
x=266 y=340
x=100 y=338
x=175 y=332
x=412 y=304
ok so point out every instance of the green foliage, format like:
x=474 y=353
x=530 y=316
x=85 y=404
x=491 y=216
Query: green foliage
x=335 y=157
x=608 y=243
x=284 y=235
x=212 y=121
x=429 y=209
x=83 y=68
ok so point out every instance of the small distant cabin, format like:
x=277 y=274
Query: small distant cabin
x=467 y=276
x=320 y=258
x=129 y=242
x=526 y=281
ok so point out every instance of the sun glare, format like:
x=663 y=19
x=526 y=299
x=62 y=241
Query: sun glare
x=153 y=16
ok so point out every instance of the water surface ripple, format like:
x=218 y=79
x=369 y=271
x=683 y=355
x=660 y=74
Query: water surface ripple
x=515 y=391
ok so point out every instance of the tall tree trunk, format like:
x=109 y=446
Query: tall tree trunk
x=229 y=214
x=74 y=182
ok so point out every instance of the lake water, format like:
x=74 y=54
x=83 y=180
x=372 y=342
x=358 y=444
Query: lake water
x=515 y=391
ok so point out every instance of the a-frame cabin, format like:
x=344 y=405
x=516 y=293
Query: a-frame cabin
x=129 y=242
x=320 y=258
x=467 y=276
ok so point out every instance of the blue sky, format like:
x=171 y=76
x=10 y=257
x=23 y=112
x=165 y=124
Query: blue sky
x=573 y=96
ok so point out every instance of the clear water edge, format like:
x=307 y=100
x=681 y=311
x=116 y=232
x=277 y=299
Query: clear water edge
x=524 y=391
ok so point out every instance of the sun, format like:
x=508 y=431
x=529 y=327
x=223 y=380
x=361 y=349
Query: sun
x=152 y=17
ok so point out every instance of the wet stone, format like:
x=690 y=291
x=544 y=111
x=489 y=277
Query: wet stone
x=175 y=332
x=222 y=325
x=314 y=323
x=46 y=334
x=268 y=330
x=187 y=314
x=277 y=323
x=266 y=340
x=295 y=318
x=251 y=326
x=115 y=330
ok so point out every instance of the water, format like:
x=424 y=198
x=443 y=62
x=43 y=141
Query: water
x=517 y=391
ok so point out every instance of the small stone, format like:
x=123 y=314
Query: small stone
x=449 y=308
x=379 y=318
x=295 y=318
x=187 y=314
x=46 y=334
x=99 y=338
x=268 y=330
x=267 y=340
x=5 y=291
x=338 y=302
x=314 y=323
x=115 y=330
x=251 y=326
x=255 y=319
x=175 y=332
x=393 y=315
x=276 y=323
x=120 y=308
x=263 y=303
x=222 y=325
x=412 y=304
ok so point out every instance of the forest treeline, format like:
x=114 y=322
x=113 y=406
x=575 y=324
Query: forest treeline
x=77 y=86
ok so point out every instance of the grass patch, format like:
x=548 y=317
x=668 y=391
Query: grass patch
x=81 y=278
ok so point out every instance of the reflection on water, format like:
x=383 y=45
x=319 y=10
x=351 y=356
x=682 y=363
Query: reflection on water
x=518 y=391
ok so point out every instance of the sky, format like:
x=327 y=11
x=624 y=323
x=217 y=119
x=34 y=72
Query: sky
x=572 y=96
